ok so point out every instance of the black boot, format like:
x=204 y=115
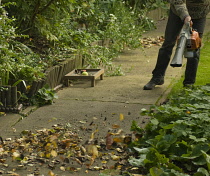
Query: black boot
x=153 y=82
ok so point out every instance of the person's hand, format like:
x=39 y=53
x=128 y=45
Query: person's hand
x=188 y=20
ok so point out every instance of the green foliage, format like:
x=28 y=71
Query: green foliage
x=177 y=139
x=57 y=28
x=44 y=96
x=16 y=59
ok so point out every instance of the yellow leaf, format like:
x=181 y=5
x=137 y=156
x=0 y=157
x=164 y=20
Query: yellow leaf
x=48 y=155
x=53 y=153
x=92 y=150
x=118 y=132
x=48 y=146
x=41 y=154
x=121 y=117
x=115 y=157
x=50 y=173
x=62 y=168
x=104 y=162
x=93 y=134
x=118 y=139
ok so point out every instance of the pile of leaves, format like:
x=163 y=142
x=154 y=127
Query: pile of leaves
x=148 y=42
x=60 y=150
x=176 y=142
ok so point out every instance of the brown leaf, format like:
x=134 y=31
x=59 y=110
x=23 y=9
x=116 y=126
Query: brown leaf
x=109 y=141
x=115 y=126
x=127 y=139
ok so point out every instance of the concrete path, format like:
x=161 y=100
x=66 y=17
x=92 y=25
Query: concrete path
x=109 y=98
x=102 y=105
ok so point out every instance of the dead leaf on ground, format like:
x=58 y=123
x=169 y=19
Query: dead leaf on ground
x=109 y=141
x=115 y=126
x=121 y=117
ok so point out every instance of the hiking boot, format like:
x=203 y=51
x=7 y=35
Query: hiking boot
x=153 y=82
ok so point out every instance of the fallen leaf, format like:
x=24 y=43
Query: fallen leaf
x=115 y=126
x=93 y=134
x=53 y=153
x=62 y=168
x=50 y=173
x=92 y=150
x=109 y=141
x=78 y=161
x=121 y=117
x=115 y=157
x=118 y=139
x=83 y=122
x=118 y=132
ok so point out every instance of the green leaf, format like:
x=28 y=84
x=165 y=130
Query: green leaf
x=154 y=171
x=168 y=127
x=201 y=172
x=162 y=145
x=207 y=157
x=137 y=162
x=198 y=149
x=154 y=121
x=199 y=161
x=136 y=128
x=141 y=150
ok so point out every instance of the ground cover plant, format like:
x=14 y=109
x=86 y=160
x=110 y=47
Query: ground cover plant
x=177 y=139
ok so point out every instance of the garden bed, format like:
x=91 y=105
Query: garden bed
x=9 y=95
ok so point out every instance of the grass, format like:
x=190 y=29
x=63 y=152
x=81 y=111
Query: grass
x=203 y=73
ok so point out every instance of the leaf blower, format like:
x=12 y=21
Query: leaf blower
x=187 y=44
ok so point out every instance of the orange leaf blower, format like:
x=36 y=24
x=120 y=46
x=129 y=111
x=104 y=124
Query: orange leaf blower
x=188 y=42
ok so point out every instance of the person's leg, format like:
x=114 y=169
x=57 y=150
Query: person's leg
x=173 y=28
x=192 y=63
x=172 y=31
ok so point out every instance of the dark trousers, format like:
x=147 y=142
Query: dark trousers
x=173 y=28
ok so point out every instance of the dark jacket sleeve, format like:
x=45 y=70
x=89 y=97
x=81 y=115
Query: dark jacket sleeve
x=179 y=8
